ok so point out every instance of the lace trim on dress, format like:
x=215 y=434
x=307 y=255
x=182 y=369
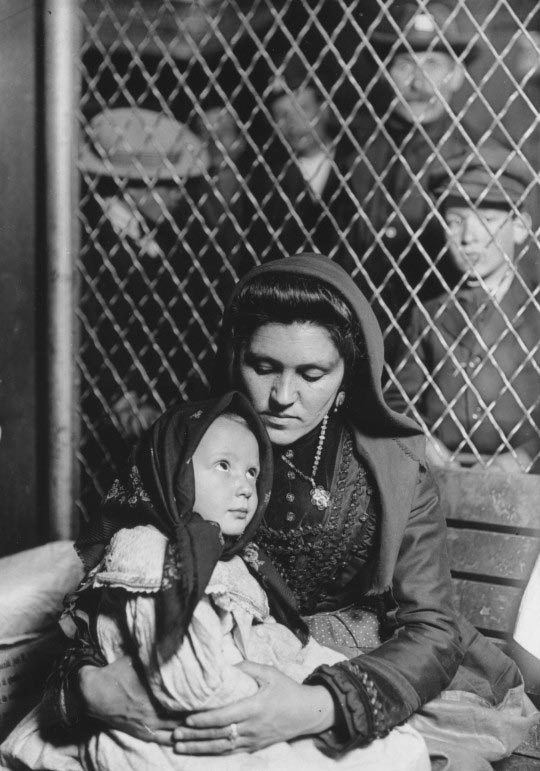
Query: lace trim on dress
x=133 y=560
x=231 y=585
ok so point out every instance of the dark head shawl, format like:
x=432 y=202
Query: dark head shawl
x=366 y=406
x=158 y=489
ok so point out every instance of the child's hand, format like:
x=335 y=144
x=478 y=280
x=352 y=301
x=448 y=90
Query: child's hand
x=282 y=709
x=115 y=696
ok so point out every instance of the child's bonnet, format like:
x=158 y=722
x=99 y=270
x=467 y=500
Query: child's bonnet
x=157 y=488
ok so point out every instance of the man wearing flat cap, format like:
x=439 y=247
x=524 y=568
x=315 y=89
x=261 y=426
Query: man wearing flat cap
x=422 y=52
x=472 y=364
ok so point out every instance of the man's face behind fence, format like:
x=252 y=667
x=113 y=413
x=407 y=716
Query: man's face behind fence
x=424 y=83
x=302 y=120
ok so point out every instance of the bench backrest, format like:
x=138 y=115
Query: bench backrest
x=493 y=539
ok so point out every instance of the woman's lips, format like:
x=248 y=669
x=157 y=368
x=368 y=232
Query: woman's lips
x=277 y=419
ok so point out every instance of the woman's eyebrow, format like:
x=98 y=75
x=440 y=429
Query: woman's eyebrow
x=253 y=355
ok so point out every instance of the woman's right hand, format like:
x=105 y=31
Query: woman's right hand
x=115 y=696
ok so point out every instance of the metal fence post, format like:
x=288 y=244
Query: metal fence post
x=62 y=49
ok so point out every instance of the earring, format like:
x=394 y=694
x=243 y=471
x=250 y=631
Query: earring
x=340 y=398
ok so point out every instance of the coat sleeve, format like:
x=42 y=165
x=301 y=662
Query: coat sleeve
x=62 y=697
x=377 y=691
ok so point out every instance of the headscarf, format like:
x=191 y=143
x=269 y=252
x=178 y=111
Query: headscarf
x=366 y=406
x=158 y=488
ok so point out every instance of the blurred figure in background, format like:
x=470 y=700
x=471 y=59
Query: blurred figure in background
x=222 y=134
x=394 y=231
x=150 y=275
x=472 y=363
x=298 y=185
x=522 y=117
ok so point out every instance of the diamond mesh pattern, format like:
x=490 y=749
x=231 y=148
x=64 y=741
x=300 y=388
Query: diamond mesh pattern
x=150 y=304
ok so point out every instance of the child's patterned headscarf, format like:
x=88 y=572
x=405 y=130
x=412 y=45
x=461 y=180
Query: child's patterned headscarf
x=158 y=489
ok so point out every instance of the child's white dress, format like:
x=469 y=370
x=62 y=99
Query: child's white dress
x=230 y=624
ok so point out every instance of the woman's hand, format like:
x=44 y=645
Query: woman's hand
x=281 y=709
x=115 y=696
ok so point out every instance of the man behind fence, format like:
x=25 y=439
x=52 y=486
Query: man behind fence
x=299 y=184
x=422 y=52
x=472 y=363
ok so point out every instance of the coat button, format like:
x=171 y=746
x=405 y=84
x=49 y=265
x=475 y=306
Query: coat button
x=390 y=232
x=289 y=497
x=475 y=416
x=290 y=516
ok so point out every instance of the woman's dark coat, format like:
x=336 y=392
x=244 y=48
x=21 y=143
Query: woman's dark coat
x=423 y=654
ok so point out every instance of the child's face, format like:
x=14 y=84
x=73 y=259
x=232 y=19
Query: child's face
x=226 y=467
x=481 y=241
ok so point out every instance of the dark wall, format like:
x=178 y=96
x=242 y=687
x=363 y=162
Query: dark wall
x=19 y=526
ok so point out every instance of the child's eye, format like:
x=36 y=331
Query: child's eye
x=252 y=473
x=223 y=465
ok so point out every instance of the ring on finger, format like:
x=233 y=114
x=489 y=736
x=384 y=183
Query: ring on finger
x=232 y=733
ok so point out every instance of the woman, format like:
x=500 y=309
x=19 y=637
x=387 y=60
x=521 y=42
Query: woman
x=355 y=528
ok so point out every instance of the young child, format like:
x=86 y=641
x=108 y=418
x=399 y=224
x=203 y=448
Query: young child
x=179 y=587
x=472 y=362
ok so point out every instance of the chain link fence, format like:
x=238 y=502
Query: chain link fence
x=259 y=88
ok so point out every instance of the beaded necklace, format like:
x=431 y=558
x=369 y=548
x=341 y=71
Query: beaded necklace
x=319 y=496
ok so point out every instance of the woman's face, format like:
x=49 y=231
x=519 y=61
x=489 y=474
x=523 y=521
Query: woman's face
x=292 y=374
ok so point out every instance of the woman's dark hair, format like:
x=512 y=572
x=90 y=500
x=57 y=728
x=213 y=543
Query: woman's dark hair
x=284 y=299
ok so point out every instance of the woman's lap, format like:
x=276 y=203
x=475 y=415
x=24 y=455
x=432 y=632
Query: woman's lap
x=402 y=750
x=477 y=720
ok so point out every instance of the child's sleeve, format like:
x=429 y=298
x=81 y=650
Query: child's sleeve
x=201 y=673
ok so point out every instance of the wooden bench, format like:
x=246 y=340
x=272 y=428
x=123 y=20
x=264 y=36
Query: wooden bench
x=493 y=540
